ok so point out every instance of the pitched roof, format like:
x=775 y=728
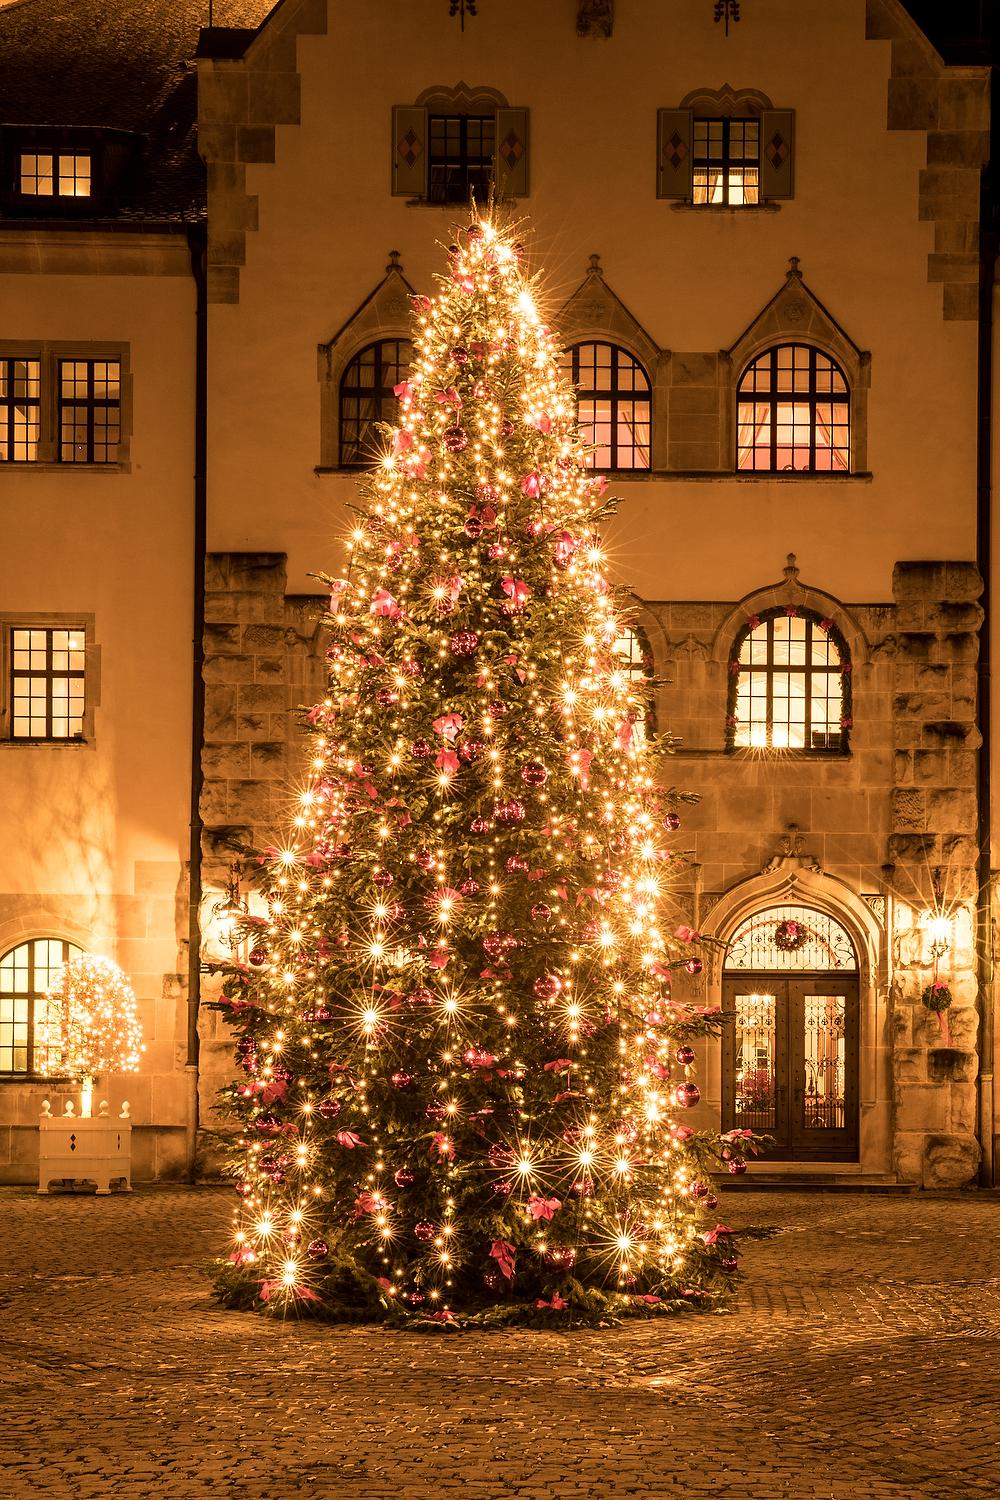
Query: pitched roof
x=126 y=65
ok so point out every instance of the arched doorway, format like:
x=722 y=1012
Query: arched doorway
x=791 y=1050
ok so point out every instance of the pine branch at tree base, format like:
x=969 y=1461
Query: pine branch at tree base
x=464 y=1074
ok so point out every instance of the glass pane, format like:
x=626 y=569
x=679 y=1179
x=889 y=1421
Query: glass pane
x=36 y=174
x=825 y=1058
x=791 y=937
x=755 y=1062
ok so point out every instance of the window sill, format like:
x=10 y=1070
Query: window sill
x=49 y=466
x=733 y=209
x=764 y=757
x=460 y=205
x=744 y=476
x=80 y=743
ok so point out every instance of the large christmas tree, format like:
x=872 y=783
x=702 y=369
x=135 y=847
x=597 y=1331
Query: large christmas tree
x=464 y=1074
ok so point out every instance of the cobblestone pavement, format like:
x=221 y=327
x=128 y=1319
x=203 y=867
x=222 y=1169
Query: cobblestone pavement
x=862 y=1360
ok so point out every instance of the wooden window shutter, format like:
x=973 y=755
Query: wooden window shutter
x=777 y=135
x=511 y=162
x=409 y=151
x=673 y=153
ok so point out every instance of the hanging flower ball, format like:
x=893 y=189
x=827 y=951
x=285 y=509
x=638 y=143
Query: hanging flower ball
x=317 y=1249
x=464 y=643
x=456 y=439
x=533 y=773
x=687 y=1095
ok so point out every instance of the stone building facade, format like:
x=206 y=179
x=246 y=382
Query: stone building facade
x=864 y=247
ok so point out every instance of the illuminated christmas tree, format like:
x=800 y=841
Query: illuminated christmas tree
x=97 y=1022
x=463 y=1072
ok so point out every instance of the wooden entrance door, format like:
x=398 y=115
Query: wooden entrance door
x=790 y=1063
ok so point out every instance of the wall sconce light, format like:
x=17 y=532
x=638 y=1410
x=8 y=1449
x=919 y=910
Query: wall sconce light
x=230 y=912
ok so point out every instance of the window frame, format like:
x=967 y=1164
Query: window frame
x=383 y=394
x=811 y=398
x=474 y=177
x=51 y=356
x=90 y=405
x=91 y=678
x=56 y=154
x=10 y=404
x=615 y=396
x=727 y=162
x=769 y=669
x=631 y=646
x=32 y=995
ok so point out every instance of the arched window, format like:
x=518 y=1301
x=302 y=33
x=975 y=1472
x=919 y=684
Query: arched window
x=366 y=398
x=789 y=684
x=637 y=665
x=793 y=413
x=28 y=1044
x=613 y=404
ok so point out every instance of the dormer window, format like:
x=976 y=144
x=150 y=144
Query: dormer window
x=46 y=174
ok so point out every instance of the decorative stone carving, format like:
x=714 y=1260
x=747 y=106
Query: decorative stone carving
x=791 y=855
x=595 y=18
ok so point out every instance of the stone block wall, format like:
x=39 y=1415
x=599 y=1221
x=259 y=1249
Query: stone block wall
x=932 y=849
x=263 y=659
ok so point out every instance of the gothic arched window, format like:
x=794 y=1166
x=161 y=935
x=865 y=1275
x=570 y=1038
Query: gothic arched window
x=367 y=398
x=28 y=1043
x=613 y=404
x=789 y=684
x=793 y=412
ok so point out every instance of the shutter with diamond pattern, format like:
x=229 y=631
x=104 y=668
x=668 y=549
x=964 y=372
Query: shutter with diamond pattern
x=511 y=161
x=777 y=132
x=673 y=153
x=409 y=151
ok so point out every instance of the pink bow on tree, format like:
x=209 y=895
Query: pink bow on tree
x=543 y=1208
x=448 y=725
x=517 y=592
x=503 y=1252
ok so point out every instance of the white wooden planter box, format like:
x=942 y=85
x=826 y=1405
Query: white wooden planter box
x=85 y=1150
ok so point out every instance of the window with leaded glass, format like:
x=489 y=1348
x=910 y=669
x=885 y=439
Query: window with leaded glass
x=47 y=682
x=635 y=670
x=614 y=404
x=790 y=684
x=20 y=409
x=793 y=413
x=726 y=162
x=89 y=410
x=29 y=1036
x=48 y=174
x=461 y=157
x=367 y=398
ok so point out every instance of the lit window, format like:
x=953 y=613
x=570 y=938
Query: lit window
x=461 y=157
x=45 y=174
x=637 y=663
x=790 y=684
x=726 y=161
x=613 y=404
x=793 y=413
x=20 y=409
x=48 y=683
x=89 y=410
x=29 y=1037
x=367 y=398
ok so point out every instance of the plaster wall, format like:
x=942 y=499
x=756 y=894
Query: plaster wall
x=93 y=837
x=326 y=220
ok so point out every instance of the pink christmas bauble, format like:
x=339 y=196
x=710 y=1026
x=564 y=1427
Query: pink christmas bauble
x=402 y=1080
x=509 y=812
x=473 y=528
x=540 y=912
x=420 y=749
x=480 y=825
x=424 y=859
x=737 y=1168
x=672 y=822
x=469 y=751
x=317 y=1249
x=456 y=439
x=258 y=956
x=423 y=1229
x=687 y=1095
x=533 y=773
x=693 y=966
x=382 y=879
x=404 y=1177
x=469 y=887
x=685 y=1056
x=547 y=986
x=329 y=1108
x=422 y=996
x=460 y=356
x=464 y=643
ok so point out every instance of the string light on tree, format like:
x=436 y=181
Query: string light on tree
x=461 y=1081
x=99 y=1029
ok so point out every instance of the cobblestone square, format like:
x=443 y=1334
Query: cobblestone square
x=860 y=1360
